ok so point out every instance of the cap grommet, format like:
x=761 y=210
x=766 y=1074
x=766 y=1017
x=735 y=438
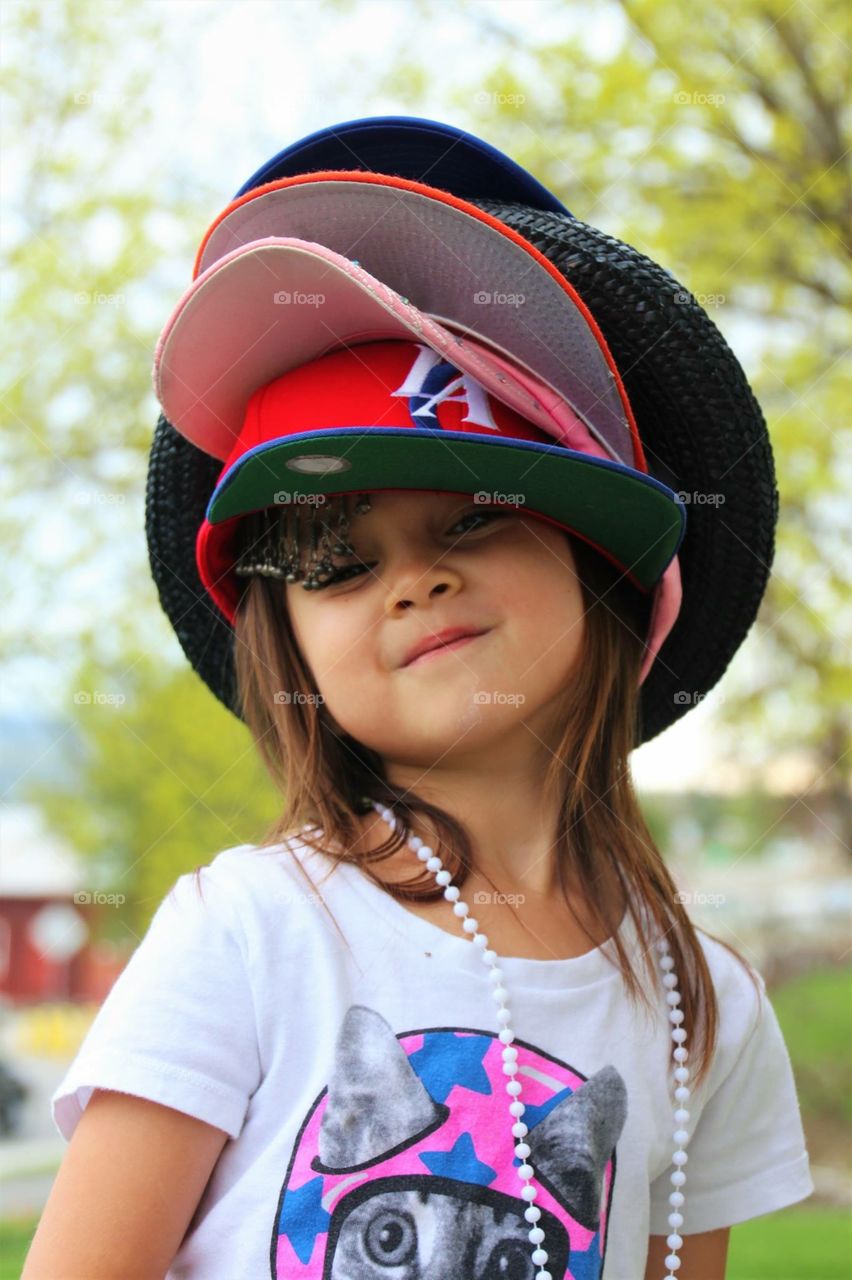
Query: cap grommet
x=318 y=463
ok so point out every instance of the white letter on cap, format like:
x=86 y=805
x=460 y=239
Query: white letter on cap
x=471 y=392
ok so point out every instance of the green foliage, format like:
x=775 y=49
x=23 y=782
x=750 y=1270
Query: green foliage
x=16 y=1236
x=94 y=234
x=166 y=778
x=805 y=1243
x=742 y=827
x=815 y=1014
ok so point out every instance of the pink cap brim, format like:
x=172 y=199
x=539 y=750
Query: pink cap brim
x=275 y=304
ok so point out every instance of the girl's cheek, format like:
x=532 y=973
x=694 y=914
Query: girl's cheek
x=347 y=639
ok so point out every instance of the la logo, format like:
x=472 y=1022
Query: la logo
x=432 y=380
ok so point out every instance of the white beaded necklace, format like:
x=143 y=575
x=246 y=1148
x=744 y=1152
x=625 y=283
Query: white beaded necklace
x=525 y=1170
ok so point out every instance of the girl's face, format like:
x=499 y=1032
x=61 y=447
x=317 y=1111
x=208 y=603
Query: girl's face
x=435 y=561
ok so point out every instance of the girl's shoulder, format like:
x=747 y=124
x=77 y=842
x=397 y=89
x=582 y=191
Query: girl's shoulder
x=734 y=975
x=253 y=876
x=744 y=1008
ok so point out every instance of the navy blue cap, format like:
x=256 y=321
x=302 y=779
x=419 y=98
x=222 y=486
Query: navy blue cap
x=428 y=151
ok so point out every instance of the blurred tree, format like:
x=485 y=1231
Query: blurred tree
x=97 y=230
x=714 y=138
x=165 y=778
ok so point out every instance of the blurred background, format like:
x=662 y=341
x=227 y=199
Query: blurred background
x=713 y=137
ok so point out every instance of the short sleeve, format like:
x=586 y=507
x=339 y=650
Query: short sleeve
x=178 y=1026
x=747 y=1153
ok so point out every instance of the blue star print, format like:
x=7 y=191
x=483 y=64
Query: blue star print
x=461 y=1163
x=445 y=1061
x=303 y=1218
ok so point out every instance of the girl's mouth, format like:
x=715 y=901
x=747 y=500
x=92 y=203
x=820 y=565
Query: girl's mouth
x=444 y=648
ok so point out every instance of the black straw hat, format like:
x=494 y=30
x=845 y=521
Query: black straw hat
x=702 y=431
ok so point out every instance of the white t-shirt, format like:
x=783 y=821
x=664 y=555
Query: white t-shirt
x=363 y=1092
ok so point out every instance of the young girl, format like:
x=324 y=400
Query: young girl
x=449 y=1019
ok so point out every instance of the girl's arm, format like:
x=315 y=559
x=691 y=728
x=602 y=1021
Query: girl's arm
x=125 y=1192
x=702 y=1256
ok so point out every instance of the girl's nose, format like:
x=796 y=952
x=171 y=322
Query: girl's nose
x=417 y=578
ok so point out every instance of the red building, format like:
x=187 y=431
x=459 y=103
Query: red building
x=49 y=918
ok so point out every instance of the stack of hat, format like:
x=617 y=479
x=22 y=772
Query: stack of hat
x=487 y=340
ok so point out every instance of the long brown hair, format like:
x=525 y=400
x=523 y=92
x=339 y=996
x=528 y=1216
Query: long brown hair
x=602 y=841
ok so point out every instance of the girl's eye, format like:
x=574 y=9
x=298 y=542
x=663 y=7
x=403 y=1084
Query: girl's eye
x=486 y=514
x=355 y=570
